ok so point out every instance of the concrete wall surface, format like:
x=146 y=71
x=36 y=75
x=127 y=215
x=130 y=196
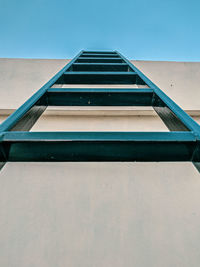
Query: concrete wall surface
x=179 y=80
x=99 y=214
x=20 y=78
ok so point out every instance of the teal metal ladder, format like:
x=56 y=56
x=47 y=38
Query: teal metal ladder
x=181 y=143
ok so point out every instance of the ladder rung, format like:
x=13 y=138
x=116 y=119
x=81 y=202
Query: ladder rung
x=105 y=58
x=100 y=73
x=99 y=52
x=100 y=78
x=100 y=64
x=101 y=90
x=99 y=59
x=100 y=67
x=98 y=146
x=100 y=55
x=99 y=97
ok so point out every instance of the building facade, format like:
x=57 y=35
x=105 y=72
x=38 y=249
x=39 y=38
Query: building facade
x=99 y=213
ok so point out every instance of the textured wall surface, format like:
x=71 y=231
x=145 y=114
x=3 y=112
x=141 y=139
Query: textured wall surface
x=179 y=80
x=20 y=78
x=99 y=214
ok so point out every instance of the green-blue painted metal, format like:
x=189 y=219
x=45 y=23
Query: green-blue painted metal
x=98 y=146
x=182 y=115
x=18 y=144
x=21 y=111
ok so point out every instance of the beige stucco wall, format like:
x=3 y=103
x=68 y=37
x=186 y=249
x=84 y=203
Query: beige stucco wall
x=99 y=214
x=99 y=119
x=179 y=80
x=20 y=78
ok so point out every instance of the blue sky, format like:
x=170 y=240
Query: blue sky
x=139 y=29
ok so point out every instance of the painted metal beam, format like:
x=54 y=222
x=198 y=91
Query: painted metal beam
x=99 y=60
x=99 y=67
x=99 y=97
x=100 y=78
x=106 y=55
x=98 y=146
x=98 y=52
x=37 y=100
x=98 y=73
x=175 y=109
x=99 y=64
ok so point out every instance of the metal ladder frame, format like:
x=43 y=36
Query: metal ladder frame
x=102 y=67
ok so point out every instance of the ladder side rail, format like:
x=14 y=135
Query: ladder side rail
x=16 y=116
x=180 y=113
